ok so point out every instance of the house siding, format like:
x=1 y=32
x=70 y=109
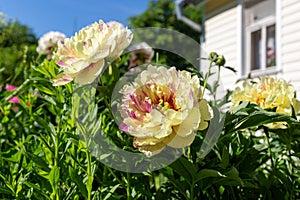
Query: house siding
x=221 y=32
x=222 y=36
x=290 y=41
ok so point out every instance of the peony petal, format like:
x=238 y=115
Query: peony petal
x=148 y=145
x=277 y=125
x=83 y=54
x=142 y=141
x=176 y=141
x=175 y=117
x=62 y=64
x=62 y=79
x=206 y=114
x=123 y=127
x=89 y=74
x=189 y=124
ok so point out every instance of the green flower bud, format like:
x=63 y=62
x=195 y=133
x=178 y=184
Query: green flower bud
x=220 y=61
x=213 y=56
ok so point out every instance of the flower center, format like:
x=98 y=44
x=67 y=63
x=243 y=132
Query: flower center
x=148 y=97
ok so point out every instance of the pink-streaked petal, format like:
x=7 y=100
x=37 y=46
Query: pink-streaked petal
x=123 y=127
x=89 y=74
x=62 y=64
x=62 y=79
x=14 y=100
x=111 y=23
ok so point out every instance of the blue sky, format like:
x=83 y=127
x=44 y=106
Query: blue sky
x=69 y=16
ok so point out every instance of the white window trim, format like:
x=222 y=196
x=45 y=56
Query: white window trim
x=240 y=38
x=278 y=35
x=259 y=25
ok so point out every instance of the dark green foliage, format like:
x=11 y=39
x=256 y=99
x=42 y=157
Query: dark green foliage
x=161 y=13
x=17 y=50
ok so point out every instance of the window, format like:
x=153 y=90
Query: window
x=255 y=50
x=260 y=35
x=271 y=46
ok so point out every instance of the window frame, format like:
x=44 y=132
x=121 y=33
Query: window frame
x=262 y=25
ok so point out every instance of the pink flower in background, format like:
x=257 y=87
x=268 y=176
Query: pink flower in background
x=14 y=100
x=11 y=88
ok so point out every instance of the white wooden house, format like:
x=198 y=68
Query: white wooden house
x=261 y=37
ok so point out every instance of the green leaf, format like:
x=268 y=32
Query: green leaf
x=45 y=89
x=232 y=178
x=37 y=160
x=185 y=168
x=180 y=185
x=112 y=190
x=4 y=190
x=14 y=156
x=230 y=68
x=53 y=176
x=36 y=188
x=225 y=158
x=213 y=133
x=49 y=99
x=258 y=118
x=78 y=181
x=208 y=173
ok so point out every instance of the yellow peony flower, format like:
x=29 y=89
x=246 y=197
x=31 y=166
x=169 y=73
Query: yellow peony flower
x=163 y=108
x=268 y=93
x=83 y=56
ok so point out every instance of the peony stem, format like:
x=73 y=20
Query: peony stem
x=128 y=187
x=206 y=78
x=269 y=146
x=89 y=174
x=192 y=192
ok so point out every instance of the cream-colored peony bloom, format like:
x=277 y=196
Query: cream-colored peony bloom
x=268 y=93
x=140 y=53
x=163 y=108
x=121 y=39
x=83 y=56
x=48 y=42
